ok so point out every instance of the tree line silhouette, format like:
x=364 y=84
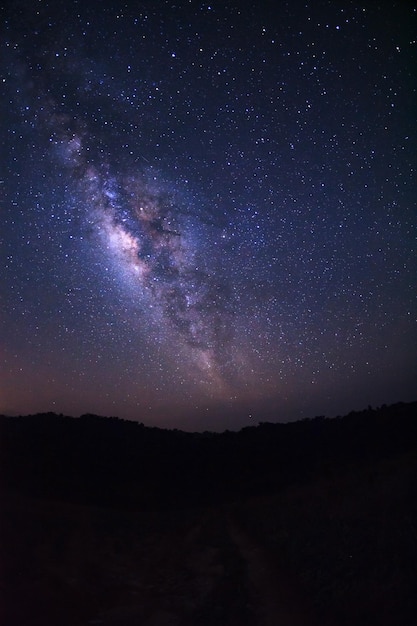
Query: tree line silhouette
x=114 y=462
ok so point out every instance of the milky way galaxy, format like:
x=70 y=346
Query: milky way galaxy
x=153 y=244
x=207 y=211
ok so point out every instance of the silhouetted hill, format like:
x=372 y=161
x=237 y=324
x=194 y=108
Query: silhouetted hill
x=309 y=523
x=110 y=461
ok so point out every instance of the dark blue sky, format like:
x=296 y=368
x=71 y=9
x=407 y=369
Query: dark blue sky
x=208 y=211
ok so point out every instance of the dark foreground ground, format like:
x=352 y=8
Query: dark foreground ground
x=339 y=549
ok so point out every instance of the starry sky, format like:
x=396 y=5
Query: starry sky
x=207 y=210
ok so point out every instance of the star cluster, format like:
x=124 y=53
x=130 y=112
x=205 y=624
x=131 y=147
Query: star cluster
x=207 y=209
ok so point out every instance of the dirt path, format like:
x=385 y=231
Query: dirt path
x=214 y=575
x=277 y=602
x=82 y=566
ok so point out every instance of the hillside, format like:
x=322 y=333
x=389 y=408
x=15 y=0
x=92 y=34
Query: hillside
x=110 y=522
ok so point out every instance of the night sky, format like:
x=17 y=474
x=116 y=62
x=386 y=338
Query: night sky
x=207 y=211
